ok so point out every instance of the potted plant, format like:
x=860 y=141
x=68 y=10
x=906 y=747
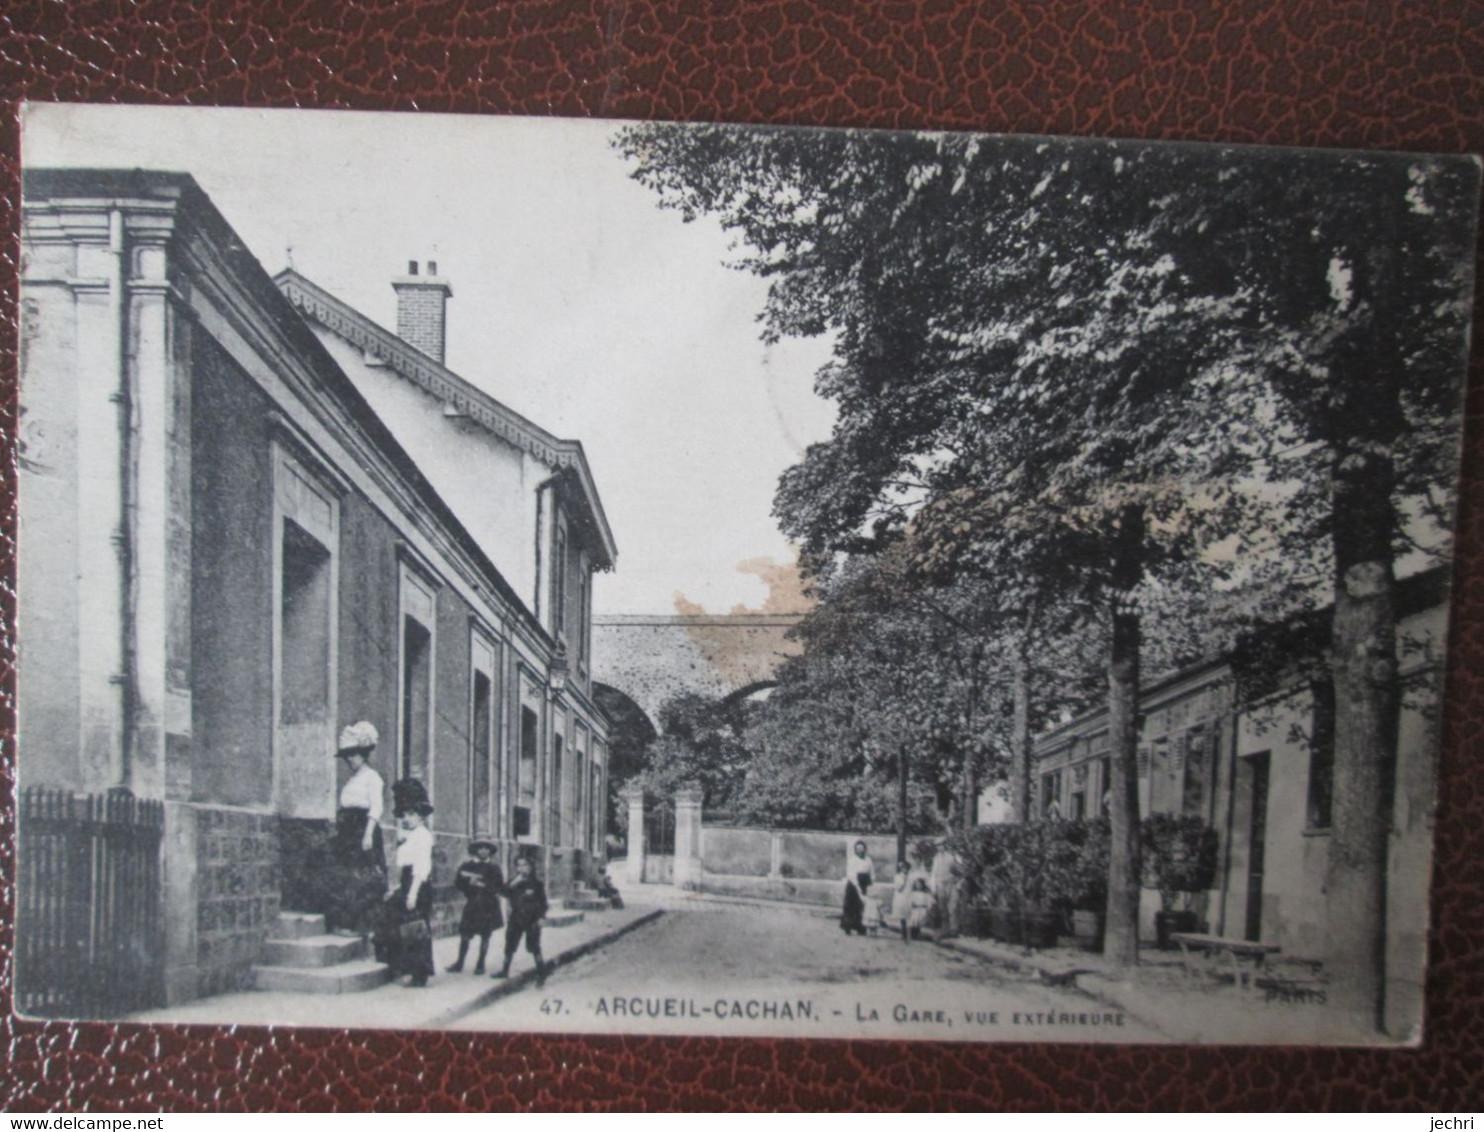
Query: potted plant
x=1029 y=879
x=1179 y=853
x=1090 y=897
x=974 y=852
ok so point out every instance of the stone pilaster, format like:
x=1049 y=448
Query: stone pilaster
x=634 y=796
x=688 y=837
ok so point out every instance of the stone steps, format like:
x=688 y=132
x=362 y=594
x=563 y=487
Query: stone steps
x=297 y=925
x=555 y=919
x=343 y=978
x=585 y=899
x=313 y=951
x=302 y=957
x=592 y=903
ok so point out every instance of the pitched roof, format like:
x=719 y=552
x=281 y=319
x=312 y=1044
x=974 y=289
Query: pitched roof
x=340 y=318
x=179 y=191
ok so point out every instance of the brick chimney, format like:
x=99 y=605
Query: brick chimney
x=421 y=301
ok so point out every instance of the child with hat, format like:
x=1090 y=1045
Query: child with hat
x=481 y=881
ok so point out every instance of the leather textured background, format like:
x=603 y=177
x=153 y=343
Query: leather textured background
x=1371 y=73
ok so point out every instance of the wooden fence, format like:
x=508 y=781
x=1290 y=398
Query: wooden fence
x=89 y=928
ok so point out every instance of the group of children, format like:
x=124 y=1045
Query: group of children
x=483 y=884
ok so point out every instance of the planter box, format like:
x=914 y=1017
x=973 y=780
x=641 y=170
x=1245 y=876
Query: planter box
x=977 y=923
x=1087 y=929
x=1027 y=929
x=1004 y=925
x=1184 y=920
x=1041 y=929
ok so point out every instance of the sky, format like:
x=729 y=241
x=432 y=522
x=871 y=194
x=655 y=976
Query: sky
x=576 y=301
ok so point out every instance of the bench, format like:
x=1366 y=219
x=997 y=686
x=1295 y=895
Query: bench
x=1216 y=955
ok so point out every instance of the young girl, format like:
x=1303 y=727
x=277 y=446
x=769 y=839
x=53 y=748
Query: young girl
x=901 y=896
x=918 y=906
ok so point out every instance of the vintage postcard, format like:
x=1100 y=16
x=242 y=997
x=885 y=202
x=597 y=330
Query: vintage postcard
x=512 y=574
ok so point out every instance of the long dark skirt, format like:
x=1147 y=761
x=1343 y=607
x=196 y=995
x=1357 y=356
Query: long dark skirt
x=851 y=917
x=406 y=956
x=354 y=878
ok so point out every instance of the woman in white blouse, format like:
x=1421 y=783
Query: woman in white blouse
x=859 y=869
x=356 y=874
x=406 y=942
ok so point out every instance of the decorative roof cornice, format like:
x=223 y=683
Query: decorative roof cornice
x=343 y=320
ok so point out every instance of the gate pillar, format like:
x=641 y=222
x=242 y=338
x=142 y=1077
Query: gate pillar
x=634 y=865
x=688 y=837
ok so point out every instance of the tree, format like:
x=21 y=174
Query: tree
x=1151 y=366
x=1003 y=334
x=1362 y=350
x=892 y=689
x=700 y=742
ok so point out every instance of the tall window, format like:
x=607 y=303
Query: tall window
x=1051 y=795
x=1322 y=755
x=525 y=786
x=556 y=791
x=482 y=733
x=1161 y=777
x=304 y=658
x=306 y=515
x=1199 y=751
x=559 y=581
x=595 y=807
x=579 y=788
x=1077 y=807
x=417 y=677
x=584 y=613
x=417 y=650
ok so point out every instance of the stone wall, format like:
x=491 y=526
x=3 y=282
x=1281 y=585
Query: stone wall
x=237 y=894
x=807 y=866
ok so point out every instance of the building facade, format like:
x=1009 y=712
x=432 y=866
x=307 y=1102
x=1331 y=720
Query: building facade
x=236 y=537
x=1255 y=760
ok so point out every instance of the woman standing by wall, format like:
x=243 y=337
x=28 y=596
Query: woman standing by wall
x=859 y=869
x=356 y=873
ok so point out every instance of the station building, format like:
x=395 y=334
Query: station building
x=250 y=515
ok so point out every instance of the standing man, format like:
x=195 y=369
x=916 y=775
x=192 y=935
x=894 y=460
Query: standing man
x=527 y=897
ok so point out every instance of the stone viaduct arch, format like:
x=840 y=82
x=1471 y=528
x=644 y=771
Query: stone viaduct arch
x=650 y=658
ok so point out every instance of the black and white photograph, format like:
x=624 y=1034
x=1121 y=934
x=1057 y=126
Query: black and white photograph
x=511 y=574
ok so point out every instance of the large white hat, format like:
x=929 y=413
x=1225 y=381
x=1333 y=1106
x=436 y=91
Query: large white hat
x=357 y=739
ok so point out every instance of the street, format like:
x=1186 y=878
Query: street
x=715 y=967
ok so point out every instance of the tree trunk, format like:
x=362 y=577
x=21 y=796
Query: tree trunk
x=1365 y=735
x=1020 y=733
x=1121 y=937
x=970 y=815
x=901 y=803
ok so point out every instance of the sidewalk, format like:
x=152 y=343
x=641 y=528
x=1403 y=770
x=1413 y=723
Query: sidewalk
x=1159 y=994
x=397 y=1006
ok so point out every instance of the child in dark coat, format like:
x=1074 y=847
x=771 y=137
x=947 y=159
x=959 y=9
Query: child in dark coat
x=482 y=883
x=528 y=906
